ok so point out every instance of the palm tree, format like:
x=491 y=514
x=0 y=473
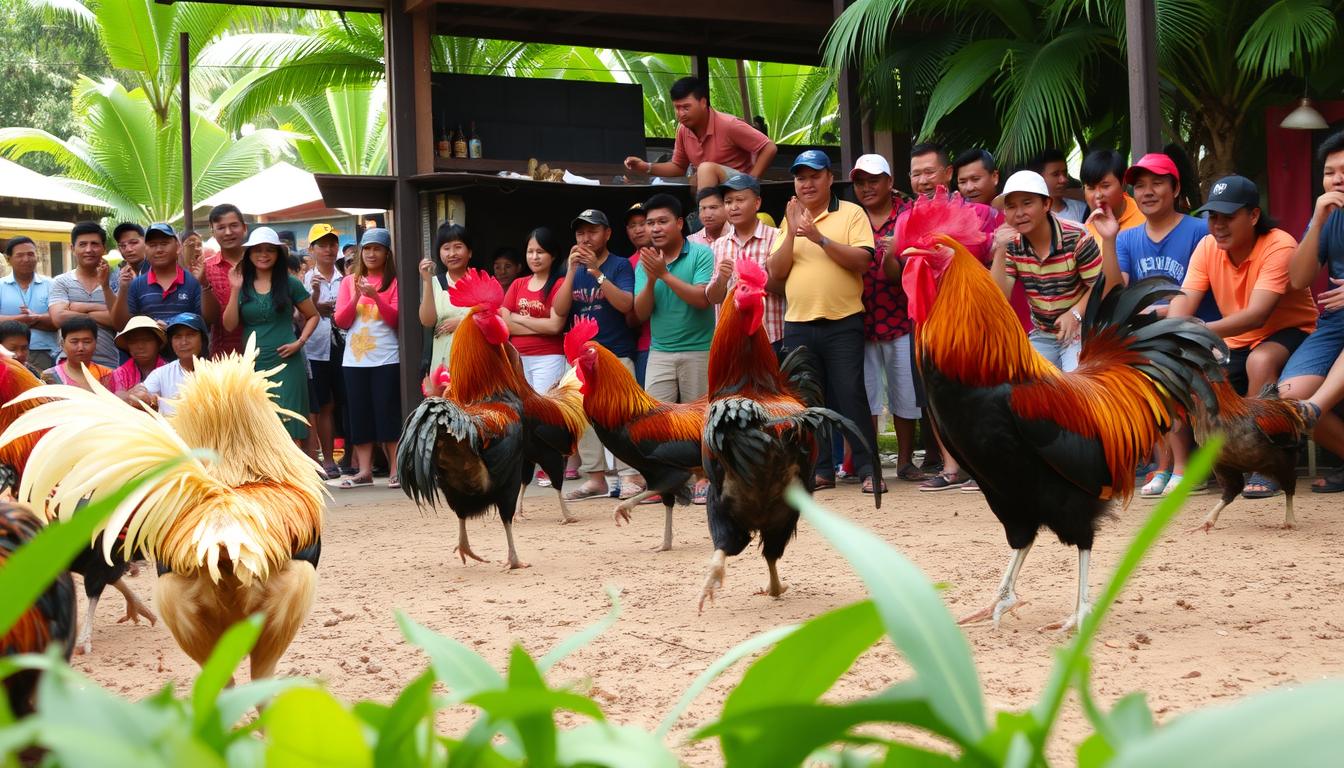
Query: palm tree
x=126 y=157
x=341 y=131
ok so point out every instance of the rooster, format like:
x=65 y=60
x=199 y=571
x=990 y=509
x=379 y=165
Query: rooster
x=760 y=434
x=480 y=445
x=233 y=534
x=1260 y=434
x=660 y=440
x=1049 y=449
x=95 y=571
x=50 y=619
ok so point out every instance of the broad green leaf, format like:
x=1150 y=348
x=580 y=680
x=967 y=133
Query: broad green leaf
x=584 y=636
x=901 y=755
x=616 y=746
x=403 y=729
x=914 y=616
x=1288 y=727
x=718 y=667
x=307 y=728
x=235 y=702
x=536 y=724
x=805 y=665
x=517 y=703
x=218 y=671
x=456 y=666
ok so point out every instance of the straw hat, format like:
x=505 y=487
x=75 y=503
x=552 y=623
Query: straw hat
x=140 y=323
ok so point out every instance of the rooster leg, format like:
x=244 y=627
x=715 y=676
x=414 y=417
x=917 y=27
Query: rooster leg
x=134 y=607
x=84 y=643
x=463 y=548
x=1289 y=522
x=776 y=587
x=718 y=564
x=514 y=562
x=1212 y=517
x=1006 y=596
x=566 y=517
x=518 y=510
x=1084 y=607
x=667 y=530
x=624 y=509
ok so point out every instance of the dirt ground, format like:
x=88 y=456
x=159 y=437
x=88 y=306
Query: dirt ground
x=1208 y=618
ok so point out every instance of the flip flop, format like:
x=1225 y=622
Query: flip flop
x=333 y=471
x=585 y=492
x=1331 y=483
x=911 y=473
x=1271 y=487
x=822 y=483
x=394 y=483
x=351 y=482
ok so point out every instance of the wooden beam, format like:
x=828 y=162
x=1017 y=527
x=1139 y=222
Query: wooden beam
x=1145 y=110
x=850 y=128
x=805 y=13
x=422 y=28
x=400 y=30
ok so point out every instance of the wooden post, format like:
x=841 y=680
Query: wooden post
x=850 y=128
x=184 y=77
x=700 y=69
x=400 y=30
x=1145 y=111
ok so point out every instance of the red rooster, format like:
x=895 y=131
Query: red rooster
x=760 y=435
x=1049 y=449
x=50 y=619
x=478 y=446
x=1260 y=434
x=660 y=440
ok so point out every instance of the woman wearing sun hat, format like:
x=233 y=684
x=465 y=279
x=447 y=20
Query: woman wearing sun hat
x=262 y=302
x=143 y=340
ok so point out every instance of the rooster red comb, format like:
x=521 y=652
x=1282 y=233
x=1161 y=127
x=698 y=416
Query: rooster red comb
x=584 y=331
x=941 y=214
x=477 y=289
x=751 y=273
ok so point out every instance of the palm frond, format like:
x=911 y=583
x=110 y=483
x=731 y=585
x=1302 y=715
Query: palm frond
x=969 y=70
x=1043 y=93
x=1285 y=34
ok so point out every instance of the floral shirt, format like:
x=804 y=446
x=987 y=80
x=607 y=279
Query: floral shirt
x=885 y=315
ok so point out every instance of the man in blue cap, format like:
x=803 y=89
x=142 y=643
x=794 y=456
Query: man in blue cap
x=823 y=248
x=164 y=290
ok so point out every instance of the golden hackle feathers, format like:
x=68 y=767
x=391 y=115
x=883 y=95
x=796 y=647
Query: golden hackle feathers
x=562 y=405
x=245 y=496
x=15 y=379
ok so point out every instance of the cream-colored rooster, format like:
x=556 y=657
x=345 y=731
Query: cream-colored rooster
x=235 y=533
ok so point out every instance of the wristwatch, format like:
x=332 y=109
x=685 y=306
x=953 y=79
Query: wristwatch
x=1075 y=314
x=601 y=278
x=825 y=241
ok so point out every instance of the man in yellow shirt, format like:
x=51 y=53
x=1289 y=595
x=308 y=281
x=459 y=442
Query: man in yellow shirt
x=821 y=252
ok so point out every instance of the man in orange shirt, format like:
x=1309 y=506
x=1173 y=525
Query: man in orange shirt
x=1244 y=262
x=714 y=144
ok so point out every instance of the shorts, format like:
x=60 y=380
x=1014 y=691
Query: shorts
x=1288 y=338
x=543 y=371
x=324 y=379
x=1063 y=356
x=373 y=399
x=887 y=369
x=1320 y=351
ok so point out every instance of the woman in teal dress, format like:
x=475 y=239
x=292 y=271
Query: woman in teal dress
x=256 y=305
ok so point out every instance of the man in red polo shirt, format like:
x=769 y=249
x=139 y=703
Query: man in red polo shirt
x=230 y=230
x=714 y=144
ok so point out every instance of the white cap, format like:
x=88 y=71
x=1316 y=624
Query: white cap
x=262 y=236
x=874 y=165
x=1023 y=181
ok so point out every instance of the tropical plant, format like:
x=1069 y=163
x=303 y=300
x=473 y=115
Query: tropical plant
x=775 y=716
x=341 y=131
x=1054 y=70
x=126 y=157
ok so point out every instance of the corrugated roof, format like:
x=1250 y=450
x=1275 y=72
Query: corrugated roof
x=24 y=184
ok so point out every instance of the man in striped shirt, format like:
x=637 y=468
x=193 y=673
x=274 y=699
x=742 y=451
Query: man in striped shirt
x=746 y=237
x=1056 y=261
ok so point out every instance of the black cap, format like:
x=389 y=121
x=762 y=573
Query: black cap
x=590 y=216
x=1230 y=194
x=161 y=228
x=740 y=181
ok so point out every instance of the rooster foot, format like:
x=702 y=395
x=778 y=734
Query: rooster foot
x=84 y=643
x=464 y=551
x=666 y=546
x=995 y=611
x=714 y=577
x=134 y=610
x=773 y=590
x=622 y=513
x=1069 y=624
x=1205 y=526
x=515 y=564
x=566 y=518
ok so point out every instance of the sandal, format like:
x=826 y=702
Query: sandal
x=1157 y=485
x=585 y=491
x=910 y=473
x=868 y=484
x=571 y=474
x=700 y=495
x=630 y=490
x=943 y=481
x=393 y=482
x=820 y=483
x=333 y=471
x=1270 y=488
x=654 y=499
x=354 y=482
x=1332 y=483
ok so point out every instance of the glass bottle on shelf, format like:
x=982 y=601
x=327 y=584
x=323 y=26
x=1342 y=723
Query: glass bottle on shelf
x=459 y=143
x=444 y=148
x=474 y=143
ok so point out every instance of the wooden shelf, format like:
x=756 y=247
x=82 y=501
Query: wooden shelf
x=601 y=171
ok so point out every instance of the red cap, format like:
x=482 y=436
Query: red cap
x=1153 y=162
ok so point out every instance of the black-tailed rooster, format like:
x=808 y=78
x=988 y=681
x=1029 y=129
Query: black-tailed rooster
x=479 y=445
x=1049 y=449
x=1260 y=434
x=234 y=532
x=760 y=434
x=660 y=440
x=50 y=619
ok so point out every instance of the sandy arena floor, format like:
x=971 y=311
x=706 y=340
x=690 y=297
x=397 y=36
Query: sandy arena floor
x=1206 y=620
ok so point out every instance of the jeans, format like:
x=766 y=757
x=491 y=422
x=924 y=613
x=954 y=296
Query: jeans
x=838 y=347
x=1062 y=356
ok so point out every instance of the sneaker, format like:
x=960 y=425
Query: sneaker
x=943 y=482
x=970 y=486
x=543 y=481
x=1157 y=486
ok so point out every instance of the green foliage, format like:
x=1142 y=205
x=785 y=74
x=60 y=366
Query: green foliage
x=779 y=714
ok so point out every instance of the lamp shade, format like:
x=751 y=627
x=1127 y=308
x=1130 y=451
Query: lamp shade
x=1304 y=118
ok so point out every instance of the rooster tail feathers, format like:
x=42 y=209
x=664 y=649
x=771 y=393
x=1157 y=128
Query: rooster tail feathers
x=434 y=419
x=584 y=331
x=735 y=435
x=811 y=420
x=477 y=289
x=803 y=373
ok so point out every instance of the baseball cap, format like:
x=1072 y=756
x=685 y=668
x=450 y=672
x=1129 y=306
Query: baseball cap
x=1230 y=194
x=187 y=320
x=1023 y=181
x=812 y=158
x=635 y=210
x=160 y=228
x=321 y=230
x=590 y=216
x=140 y=323
x=873 y=165
x=376 y=236
x=262 y=236
x=1155 y=163
x=740 y=181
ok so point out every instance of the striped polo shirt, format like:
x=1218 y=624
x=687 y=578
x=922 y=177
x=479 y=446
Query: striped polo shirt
x=1055 y=283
